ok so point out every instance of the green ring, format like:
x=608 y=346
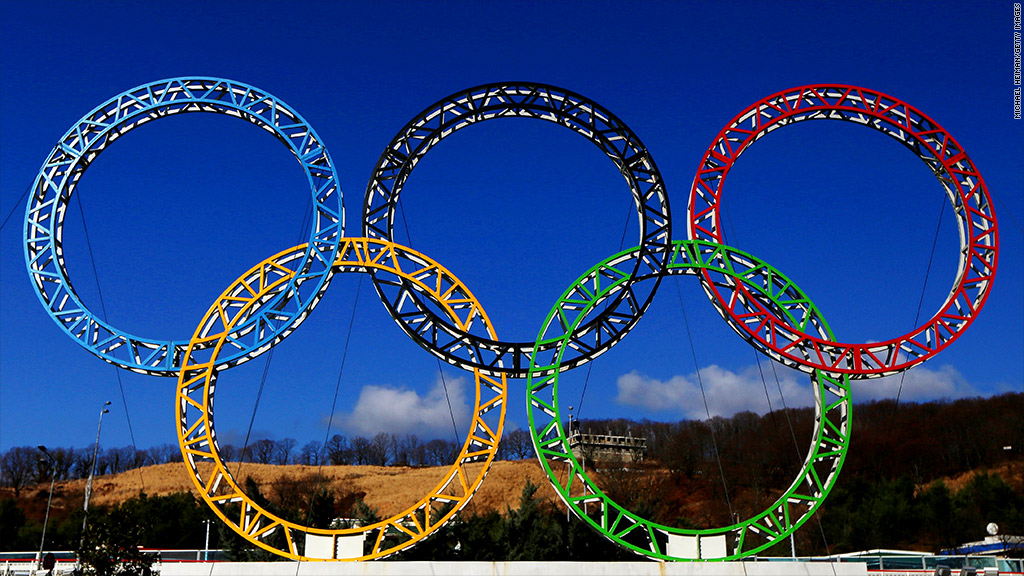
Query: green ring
x=833 y=415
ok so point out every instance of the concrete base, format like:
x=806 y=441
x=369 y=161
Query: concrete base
x=514 y=569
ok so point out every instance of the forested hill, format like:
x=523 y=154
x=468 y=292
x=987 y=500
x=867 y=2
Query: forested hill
x=923 y=441
x=918 y=475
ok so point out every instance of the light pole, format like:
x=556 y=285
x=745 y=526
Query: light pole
x=92 y=470
x=568 y=467
x=206 y=553
x=46 y=519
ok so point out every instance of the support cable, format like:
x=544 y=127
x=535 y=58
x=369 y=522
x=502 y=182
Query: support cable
x=785 y=408
x=700 y=381
x=895 y=409
x=103 y=310
x=255 y=409
x=20 y=202
x=444 y=383
x=1006 y=209
x=917 y=315
x=767 y=397
x=334 y=403
x=306 y=222
x=711 y=424
x=590 y=367
x=778 y=384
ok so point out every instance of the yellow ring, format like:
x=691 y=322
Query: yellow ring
x=197 y=380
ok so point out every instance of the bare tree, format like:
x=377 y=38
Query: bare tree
x=360 y=450
x=63 y=459
x=283 y=450
x=17 y=466
x=440 y=452
x=519 y=444
x=81 y=463
x=228 y=452
x=310 y=454
x=407 y=450
x=142 y=458
x=115 y=460
x=418 y=454
x=382 y=445
x=263 y=451
x=59 y=466
x=165 y=453
x=338 y=451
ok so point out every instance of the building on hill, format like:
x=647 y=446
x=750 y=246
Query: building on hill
x=606 y=448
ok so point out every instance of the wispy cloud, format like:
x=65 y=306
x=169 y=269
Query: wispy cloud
x=729 y=392
x=920 y=383
x=404 y=411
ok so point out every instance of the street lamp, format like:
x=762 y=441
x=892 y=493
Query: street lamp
x=46 y=519
x=92 y=470
x=206 y=553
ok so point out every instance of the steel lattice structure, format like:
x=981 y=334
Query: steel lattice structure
x=755 y=292
x=518 y=100
x=110 y=121
x=433 y=307
x=964 y=186
x=197 y=382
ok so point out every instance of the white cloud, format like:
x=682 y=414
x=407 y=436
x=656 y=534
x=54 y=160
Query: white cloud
x=403 y=411
x=727 y=392
x=730 y=392
x=919 y=384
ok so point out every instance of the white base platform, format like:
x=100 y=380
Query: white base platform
x=514 y=569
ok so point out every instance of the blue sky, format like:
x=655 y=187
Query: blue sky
x=517 y=209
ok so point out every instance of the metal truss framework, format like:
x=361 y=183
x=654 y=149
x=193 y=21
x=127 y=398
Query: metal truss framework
x=400 y=268
x=755 y=294
x=80 y=146
x=964 y=187
x=471 y=350
x=270 y=300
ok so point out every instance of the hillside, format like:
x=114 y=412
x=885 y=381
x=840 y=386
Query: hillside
x=387 y=488
x=918 y=476
x=864 y=512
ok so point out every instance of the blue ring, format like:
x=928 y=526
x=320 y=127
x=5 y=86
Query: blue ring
x=60 y=173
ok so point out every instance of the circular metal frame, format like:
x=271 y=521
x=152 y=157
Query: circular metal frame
x=765 y=294
x=441 y=315
x=59 y=175
x=197 y=381
x=979 y=238
x=474 y=350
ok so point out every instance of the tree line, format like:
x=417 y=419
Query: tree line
x=701 y=474
x=890 y=493
x=861 y=514
x=920 y=440
x=22 y=466
x=536 y=529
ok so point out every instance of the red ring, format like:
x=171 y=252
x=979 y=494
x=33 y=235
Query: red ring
x=930 y=142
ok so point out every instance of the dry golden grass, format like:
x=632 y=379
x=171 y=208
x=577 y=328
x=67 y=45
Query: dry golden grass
x=389 y=489
x=1011 y=472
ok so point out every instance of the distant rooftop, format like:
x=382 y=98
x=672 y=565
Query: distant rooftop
x=606 y=447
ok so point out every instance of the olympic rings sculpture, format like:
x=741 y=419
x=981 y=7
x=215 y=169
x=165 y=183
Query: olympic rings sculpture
x=404 y=269
x=753 y=292
x=972 y=206
x=59 y=176
x=564 y=108
x=433 y=307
